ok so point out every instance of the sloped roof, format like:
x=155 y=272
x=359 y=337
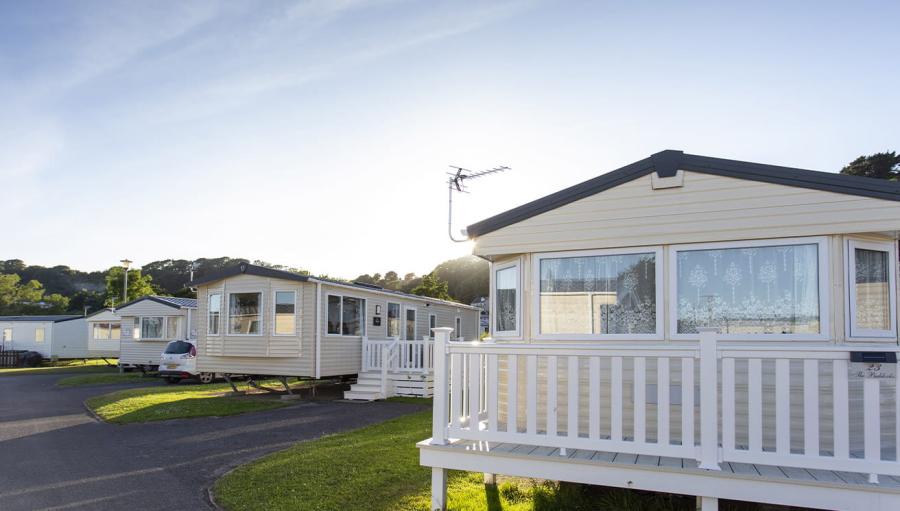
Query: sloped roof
x=262 y=271
x=667 y=163
x=171 y=301
x=55 y=318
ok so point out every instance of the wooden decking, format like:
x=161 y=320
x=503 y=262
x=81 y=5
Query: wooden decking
x=739 y=469
x=756 y=483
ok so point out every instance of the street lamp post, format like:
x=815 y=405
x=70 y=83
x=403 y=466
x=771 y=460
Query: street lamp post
x=125 y=264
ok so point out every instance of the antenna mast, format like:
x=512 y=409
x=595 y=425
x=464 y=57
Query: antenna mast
x=457 y=182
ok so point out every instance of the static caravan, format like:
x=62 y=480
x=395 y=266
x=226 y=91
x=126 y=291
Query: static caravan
x=104 y=333
x=686 y=324
x=151 y=322
x=60 y=336
x=262 y=321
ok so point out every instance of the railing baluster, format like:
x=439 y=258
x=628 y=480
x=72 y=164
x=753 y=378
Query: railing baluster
x=512 y=393
x=754 y=401
x=782 y=406
x=841 y=413
x=456 y=394
x=728 y=404
x=493 y=385
x=687 y=402
x=872 y=422
x=615 y=382
x=572 y=398
x=594 y=399
x=811 y=407
x=662 y=400
x=640 y=400
x=474 y=391
x=552 y=375
x=531 y=394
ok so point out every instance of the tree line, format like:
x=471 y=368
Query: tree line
x=32 y=289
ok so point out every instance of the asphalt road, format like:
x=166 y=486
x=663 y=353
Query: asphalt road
x=54 y=455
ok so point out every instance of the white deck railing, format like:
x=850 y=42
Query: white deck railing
x=401 y=356
x=604 y=398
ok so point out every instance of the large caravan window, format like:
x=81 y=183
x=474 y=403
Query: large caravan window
x=173 y=326
x=152 y=327
x=871 y=284
x=346 y=316
x=106 y=331
x=38 y=335
x=244 y=313
x=214 y=314
x=393 y=320
x=285 y=307
x=750 y=289
x=599 y=294
x=507 y=299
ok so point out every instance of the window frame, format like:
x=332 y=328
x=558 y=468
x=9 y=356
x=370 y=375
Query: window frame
x=363 y=317
x=275 y=313
x=432 y=319
x=457 y=327
x=220 y=293
x=495 y=268
x=659 y=281
x=405 y=310
x=43 y=331
x=99 y=325
x=262 y=313
x=850 y=247
x=824 y=288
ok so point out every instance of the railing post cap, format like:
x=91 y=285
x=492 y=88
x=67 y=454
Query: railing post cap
x=442 y=329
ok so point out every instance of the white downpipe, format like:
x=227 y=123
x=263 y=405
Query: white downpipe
x=318 y=330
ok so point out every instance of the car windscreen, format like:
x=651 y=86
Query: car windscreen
x=178 y=348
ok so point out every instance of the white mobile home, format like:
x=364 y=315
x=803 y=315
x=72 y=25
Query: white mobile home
x=261 y=321
x=686 y=324
x=104 y=333
x=61 y=336
x=151 y=322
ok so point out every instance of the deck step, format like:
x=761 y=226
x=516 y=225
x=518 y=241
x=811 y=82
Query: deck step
x=363 y=396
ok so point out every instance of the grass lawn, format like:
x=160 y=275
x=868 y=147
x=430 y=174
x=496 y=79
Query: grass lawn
x=91 y=365
x=181 y=401
x=103 y=378
x=377 y=468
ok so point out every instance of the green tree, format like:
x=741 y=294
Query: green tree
x=433 y=287
x=138 y=285
x=879 y=165
x=17 y=297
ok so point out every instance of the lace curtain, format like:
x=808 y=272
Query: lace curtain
x=753 y=290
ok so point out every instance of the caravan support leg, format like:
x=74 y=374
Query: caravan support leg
x=228 y=379
x=285 y=383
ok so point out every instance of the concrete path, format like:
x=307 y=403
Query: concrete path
x=54 y=455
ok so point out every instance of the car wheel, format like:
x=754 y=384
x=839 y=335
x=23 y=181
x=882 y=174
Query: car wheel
x=172 y=380
x=206 y=377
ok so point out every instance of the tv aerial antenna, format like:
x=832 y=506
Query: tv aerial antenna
x=457 y=183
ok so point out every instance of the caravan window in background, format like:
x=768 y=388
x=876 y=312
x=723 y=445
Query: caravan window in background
x=393 y=319
x=214 y=314
x=115 y=331
x=346 y=316
x=507 y=299
x=7 y=335
x=172 y=327
x=38 y=335
x=432 y=324
x=152 y=327
x=244 y=313
x=285 y=316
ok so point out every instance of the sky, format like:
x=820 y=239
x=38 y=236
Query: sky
x=317 y=134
